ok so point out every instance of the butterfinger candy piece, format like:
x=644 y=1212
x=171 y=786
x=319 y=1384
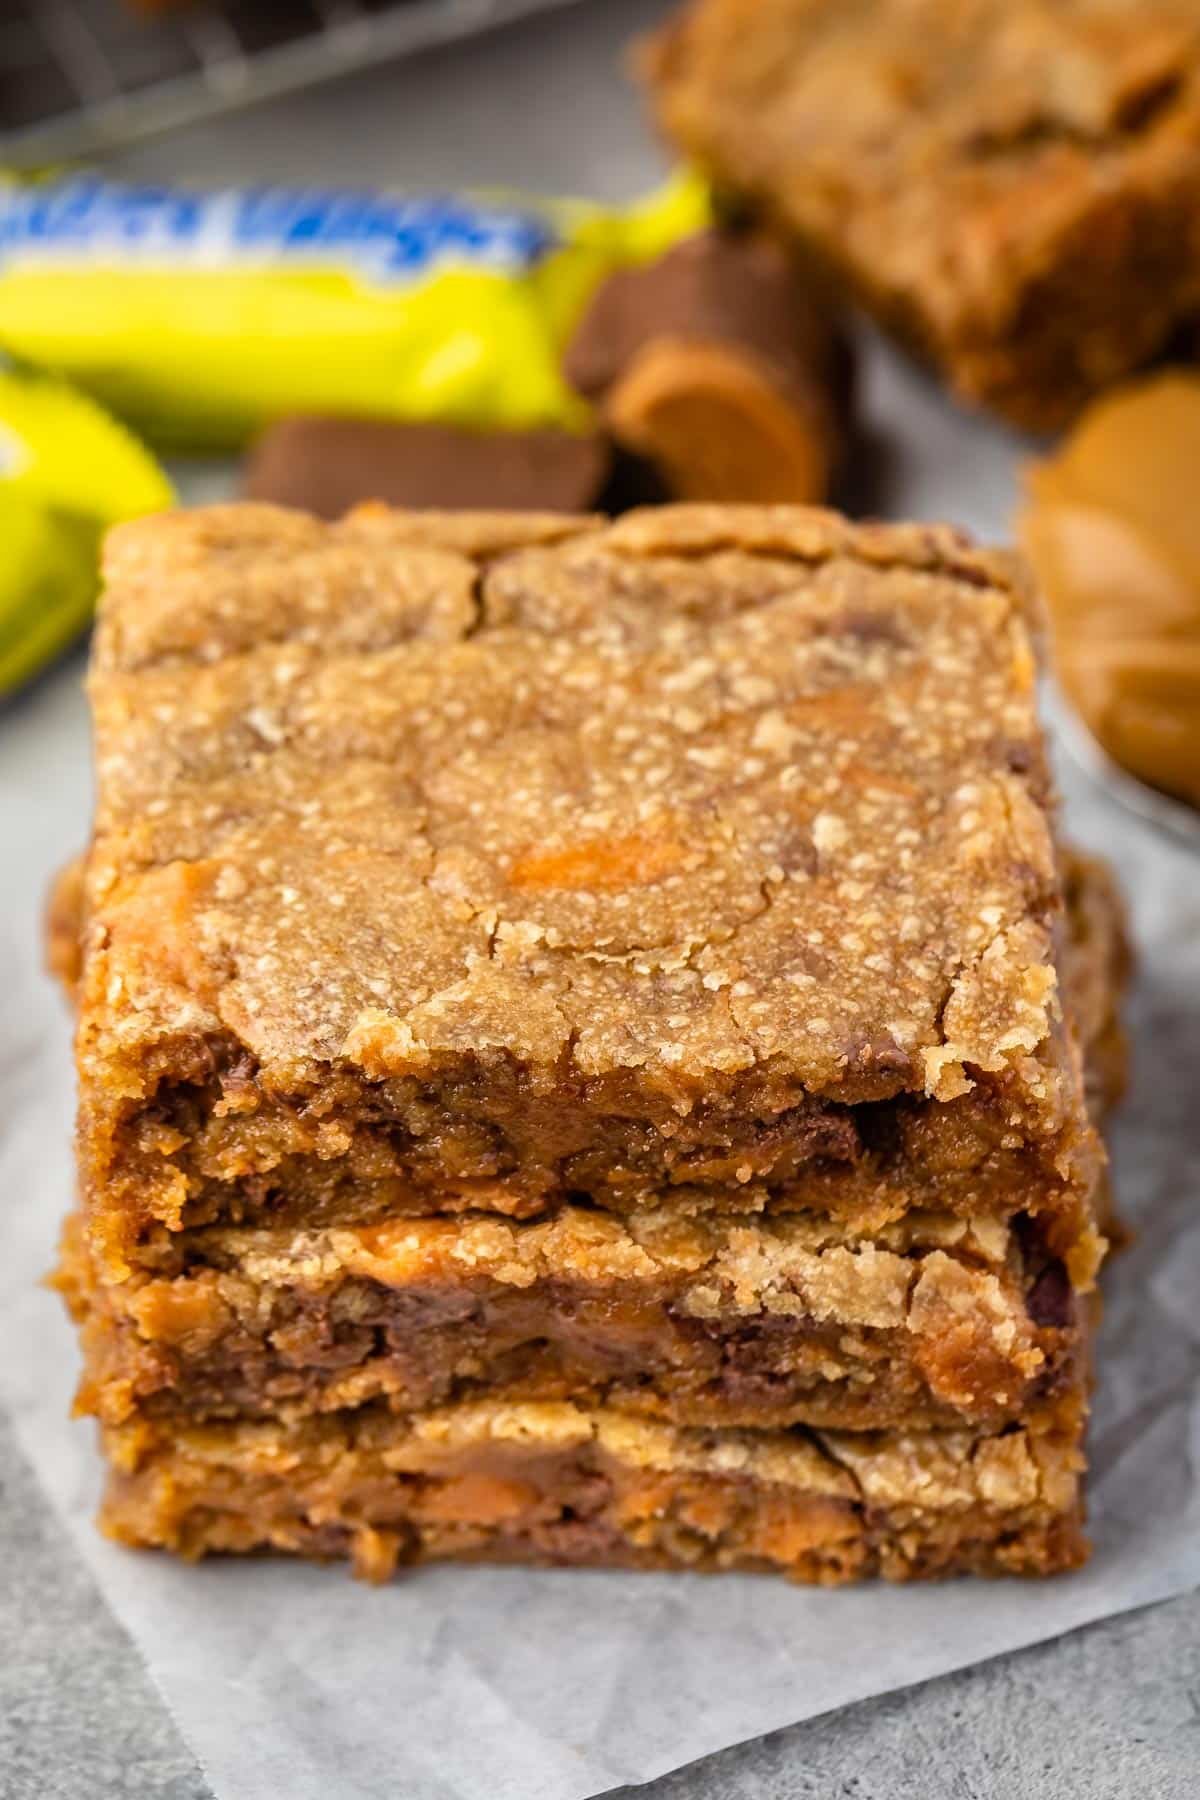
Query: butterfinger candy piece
x=327 y=465
x=716 y=426
x=722 y=366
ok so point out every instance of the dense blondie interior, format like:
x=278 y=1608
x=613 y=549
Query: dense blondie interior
x=560 y=1484
x=762 y=1325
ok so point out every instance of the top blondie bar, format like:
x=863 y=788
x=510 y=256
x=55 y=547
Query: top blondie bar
x=1011 y=185
x=448 y=861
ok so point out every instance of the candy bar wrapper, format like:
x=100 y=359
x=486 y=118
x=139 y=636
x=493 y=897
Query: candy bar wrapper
x=202 y=317
x=67 y=472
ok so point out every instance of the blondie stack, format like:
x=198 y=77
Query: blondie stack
x=582 y=1037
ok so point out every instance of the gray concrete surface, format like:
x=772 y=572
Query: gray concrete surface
x=1109 y=1713
x=79 y=1718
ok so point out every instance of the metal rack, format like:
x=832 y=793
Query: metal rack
x=79 y=75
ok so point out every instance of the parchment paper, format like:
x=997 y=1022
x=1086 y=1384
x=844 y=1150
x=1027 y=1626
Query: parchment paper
x=552 y=1686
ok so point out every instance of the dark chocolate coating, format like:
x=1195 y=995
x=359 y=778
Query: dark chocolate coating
x=718 y=287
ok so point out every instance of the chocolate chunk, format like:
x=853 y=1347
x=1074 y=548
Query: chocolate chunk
x=326 y=465
x=1050 y=1301
x=1017 y=758
x=720 y=364
x=797 y=854
x=871 y=627
x=878 y=1053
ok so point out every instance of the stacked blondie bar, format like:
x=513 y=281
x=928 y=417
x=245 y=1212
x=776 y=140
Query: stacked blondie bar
x=582 y=1047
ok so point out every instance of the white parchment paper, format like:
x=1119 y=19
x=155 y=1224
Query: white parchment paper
x=555 y=1685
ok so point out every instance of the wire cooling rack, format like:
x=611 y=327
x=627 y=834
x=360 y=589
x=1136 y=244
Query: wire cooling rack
x=79 y=75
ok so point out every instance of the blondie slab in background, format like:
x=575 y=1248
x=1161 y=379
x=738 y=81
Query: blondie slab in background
x=484 y=862
x=1011 y=187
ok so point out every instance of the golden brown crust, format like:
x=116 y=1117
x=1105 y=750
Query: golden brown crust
x=716 y=845
x=562 y=1484
x=1094 y=968
x=1011 y=187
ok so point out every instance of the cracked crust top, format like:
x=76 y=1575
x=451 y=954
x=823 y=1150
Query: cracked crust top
x=703 y=790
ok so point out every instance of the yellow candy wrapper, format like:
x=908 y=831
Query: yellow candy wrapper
x=67 y=472
x=201 y=317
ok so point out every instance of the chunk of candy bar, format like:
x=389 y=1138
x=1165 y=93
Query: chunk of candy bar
x=328 y=465
x=720 y=364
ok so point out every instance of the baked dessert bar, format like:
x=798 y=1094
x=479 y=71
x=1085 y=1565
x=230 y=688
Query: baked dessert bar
x=929 y=1320
x=565 y=1484
x=1010 y=186
x=572 y=1059
x=452 y=862
x=764 y=1325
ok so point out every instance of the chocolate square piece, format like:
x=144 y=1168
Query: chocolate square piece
x=329 y=465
